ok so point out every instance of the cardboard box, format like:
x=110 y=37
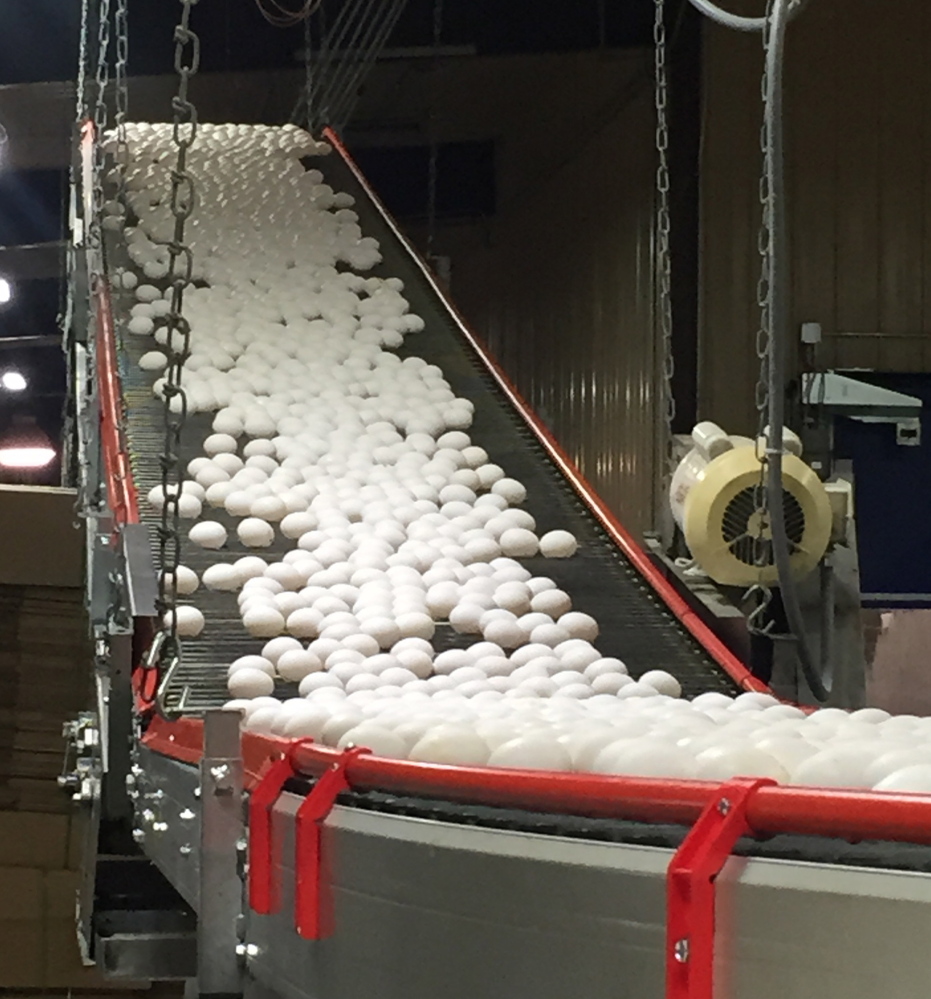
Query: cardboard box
x=61 y=894
x=65 y=970
x=34 y=839
x=22 y=895
x=23 y=961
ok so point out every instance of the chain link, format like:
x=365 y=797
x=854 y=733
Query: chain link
x=102 y=79
x=762 y=546
x=122 y=92
x=80 y=110
x=663 y=226
x=182 y=203
x=434 y=156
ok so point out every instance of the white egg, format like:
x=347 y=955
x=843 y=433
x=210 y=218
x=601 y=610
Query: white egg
x=531 y=752
x=187 y=581
x=250 y=683
x=452 y=744
x=208 y=534
x=263 y=622
x=190 y=621
x=255 y=533
x=558 y=544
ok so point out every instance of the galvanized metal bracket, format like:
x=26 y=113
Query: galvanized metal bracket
x=690 y=888
x=312 y=911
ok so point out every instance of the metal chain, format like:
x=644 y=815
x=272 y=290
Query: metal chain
x=100 y=114
x=762 y=546
x=183 y=199
x=122 y=91
x=80 y=111
x=309 y=74
x=663 y=226
x=433 y=161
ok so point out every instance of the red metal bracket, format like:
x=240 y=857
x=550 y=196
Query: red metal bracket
x=263 y=885
x=312 y=910
x=690 y=891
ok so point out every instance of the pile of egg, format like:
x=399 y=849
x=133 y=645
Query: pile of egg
x=326 y=438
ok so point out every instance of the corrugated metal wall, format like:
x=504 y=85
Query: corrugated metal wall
x=562 y=288
x=859 y=150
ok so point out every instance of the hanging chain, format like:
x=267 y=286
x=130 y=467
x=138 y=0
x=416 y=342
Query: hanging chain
x=309 y=74
x=184 y=134
x=433 y=161
x=762 y=546
x=122 y=92
x=663 y=226
x=80 y=112
x=100 y=115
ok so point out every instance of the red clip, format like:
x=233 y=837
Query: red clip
x=263 y=885
x=690 y=893
x=312 y=911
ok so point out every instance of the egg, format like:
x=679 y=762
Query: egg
x=190 y=621
x=208 y=534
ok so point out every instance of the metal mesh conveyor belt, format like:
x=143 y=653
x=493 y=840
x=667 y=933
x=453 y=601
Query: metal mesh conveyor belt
x=636 y=625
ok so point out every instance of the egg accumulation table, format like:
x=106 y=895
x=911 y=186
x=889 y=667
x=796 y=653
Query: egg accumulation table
x=373 y=875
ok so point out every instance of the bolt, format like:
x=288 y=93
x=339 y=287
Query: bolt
x=724 y=806
x=681 y=950
x=184 y=849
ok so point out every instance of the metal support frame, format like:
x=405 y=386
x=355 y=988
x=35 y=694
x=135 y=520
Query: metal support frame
x=222 y=832
x=690 y=890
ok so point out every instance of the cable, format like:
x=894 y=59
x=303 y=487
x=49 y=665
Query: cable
x=286 y=18
x=777 y=359
x=737 y=22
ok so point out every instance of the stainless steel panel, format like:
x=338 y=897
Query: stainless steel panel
x=221 y=831
x=424 y=909
x=168 y=820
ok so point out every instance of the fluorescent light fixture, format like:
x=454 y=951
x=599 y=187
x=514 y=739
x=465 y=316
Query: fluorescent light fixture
x=6 y=292
x=13 y=381
x=25 y=445
x=26 y=457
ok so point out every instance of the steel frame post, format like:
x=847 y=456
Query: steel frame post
x=222 y=829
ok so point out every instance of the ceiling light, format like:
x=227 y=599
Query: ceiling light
x=6 y=292
x=13 y=381
x=25 y=445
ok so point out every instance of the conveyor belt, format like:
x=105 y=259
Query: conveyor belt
x=636 y=625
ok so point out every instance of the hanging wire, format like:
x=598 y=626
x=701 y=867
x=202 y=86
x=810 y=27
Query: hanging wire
x=182 y=203
x=347 y=52
x=283 y=17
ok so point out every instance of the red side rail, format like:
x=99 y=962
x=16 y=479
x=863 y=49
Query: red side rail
x=120 y=486
x=625 y=541
x=849 y=815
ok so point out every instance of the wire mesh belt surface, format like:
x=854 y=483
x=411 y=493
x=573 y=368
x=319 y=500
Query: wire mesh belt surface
x=636 y=626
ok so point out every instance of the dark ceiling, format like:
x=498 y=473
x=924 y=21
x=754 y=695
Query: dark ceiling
x=39 y=38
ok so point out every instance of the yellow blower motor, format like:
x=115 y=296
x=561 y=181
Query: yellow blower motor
x=713 y=496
